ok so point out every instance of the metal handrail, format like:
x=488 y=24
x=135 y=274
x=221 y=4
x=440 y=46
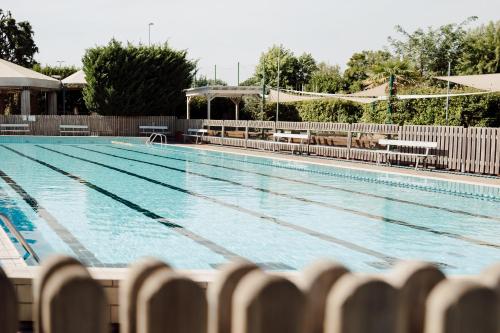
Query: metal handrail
x=13 y=230
x=153 y=136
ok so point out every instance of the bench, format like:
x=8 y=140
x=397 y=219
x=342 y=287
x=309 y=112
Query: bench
x=289 y=137
x=197 y=133
x=406 y=143
x=14 y=128
x=150 y=129
x=74 y=129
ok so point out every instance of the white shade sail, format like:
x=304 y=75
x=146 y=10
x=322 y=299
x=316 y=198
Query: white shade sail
x=15 y=76
x=488 y=82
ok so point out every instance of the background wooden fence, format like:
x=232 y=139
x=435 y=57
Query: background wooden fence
x=474 y=149
x=326 y=297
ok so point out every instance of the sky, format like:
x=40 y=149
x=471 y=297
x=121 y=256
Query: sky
x=225 y=32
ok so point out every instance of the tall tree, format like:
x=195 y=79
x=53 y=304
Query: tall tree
x=429 y=51
x=16 y=40
x=380 y=73
x=268 y=67
x=326 y=79
x=306 y=65
x=136 y=80
x=358 y=66
x=481 y=50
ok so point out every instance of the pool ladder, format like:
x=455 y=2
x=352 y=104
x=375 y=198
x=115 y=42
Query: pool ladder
x=154 y=136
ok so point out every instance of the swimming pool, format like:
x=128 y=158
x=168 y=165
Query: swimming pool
x=109 y=204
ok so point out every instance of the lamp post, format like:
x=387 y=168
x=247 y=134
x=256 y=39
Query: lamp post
x=278 y=92
x=149 y=32
x=448 y=92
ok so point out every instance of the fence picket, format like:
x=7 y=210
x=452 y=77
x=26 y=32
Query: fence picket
x=8 y=305
x=462 y=306
x=354 y=297
x=414 y=281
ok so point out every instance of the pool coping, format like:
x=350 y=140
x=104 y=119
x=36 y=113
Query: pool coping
x=463 y=178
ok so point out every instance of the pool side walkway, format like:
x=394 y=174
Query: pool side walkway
x=9 y=255
x=357 y=165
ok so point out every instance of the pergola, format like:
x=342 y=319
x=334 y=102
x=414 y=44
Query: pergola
x=15 y=77
x=234 y=93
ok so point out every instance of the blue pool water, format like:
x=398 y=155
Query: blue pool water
x=109 y=204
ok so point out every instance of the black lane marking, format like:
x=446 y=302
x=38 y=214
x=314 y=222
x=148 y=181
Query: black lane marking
x=261 y=216
x=330 y=187
x=83 y=254
x=360 y=178
x=318 y=203
x=160 y=219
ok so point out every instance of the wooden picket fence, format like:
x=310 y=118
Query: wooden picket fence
x=473 y=149
x=98 y=125
x=414 y=297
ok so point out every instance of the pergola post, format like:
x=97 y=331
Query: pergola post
x=236 y=101
x=188 y=111
x=53 y=103
x=209 y=105
x=25 y=102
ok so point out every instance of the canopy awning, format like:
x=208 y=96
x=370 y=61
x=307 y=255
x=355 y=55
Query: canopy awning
x=75 y=80
x=488 y=82
x=286 y=95
x=15 y=76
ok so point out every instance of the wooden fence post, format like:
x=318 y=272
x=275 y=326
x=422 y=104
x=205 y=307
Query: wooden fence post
x=265 y=303
x=462 y=306
x=73 y=302
x=361 y=304
x=137 y=274
x=220 y=295
x=316 y=281
x=414 y=280
x=47 y=270
x=168 y=302
x=8 y=305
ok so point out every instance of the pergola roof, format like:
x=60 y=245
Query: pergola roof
x=75 y=80
x=224 y=91
x=488 y=82
x=15 y=76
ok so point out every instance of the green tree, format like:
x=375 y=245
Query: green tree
x=358 y=66
x=306 y=66
x=268 y=67
x=203 y=81
x=16 y=40
x=136 y=80
x=481 y=50
x=61 y=71
x=429 y=51
x=379 y=73
x=326 y=79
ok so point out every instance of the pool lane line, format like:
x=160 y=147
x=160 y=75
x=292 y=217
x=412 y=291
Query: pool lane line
x=261 y=216
x=160 y=219
x=359 y=178
x=81 y=252
x=318 y=203
x=330 y=187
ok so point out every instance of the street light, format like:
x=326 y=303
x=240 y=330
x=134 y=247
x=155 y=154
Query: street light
x=149 y=32
x=448 y=92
